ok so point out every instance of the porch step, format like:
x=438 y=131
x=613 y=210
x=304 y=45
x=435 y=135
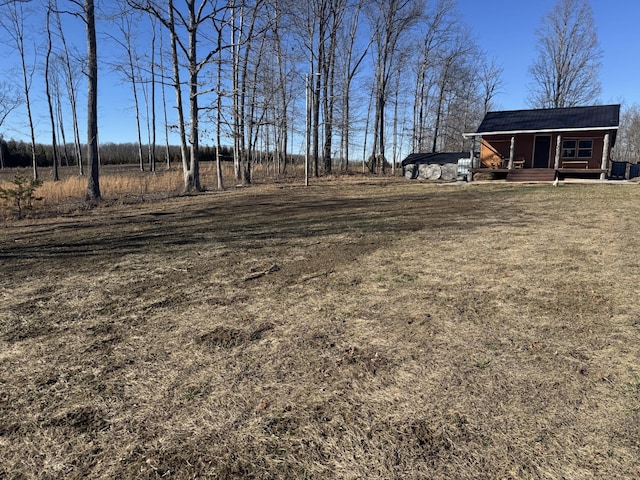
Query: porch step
x=531 y=175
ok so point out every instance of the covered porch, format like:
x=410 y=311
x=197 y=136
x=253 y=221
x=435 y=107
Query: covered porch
x=553 y=154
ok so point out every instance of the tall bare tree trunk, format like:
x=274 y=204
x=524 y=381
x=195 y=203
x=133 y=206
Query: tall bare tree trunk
x=350 y=72
x=60 y=117
x=241 y=48
x=132 y=76
x=93 y=184
x=282 y=122
x=14 y=25
x=391 y=18
x=69 y=80
x=235 y=93
x=366 y=134
x=177 y=86
x=381 y=100
x=395 y=124
x=152 y=143
x=329 y=102
x=167 y=151
x=316 y=81
x=219 y=113
x=47 y=81
x=192 y=174
x=336 y=13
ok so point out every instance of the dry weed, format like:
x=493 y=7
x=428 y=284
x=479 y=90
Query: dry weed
x=123 y=181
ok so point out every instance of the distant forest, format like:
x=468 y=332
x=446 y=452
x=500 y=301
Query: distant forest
x=18 y=154
x=336 y=81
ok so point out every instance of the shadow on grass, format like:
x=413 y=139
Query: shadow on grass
x=245 y=220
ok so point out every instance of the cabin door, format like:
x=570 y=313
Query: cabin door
x=541 y=151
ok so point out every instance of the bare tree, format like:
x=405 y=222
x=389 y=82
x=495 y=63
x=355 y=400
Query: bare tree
x=196 y=17
x=14 y=24
x=168 y=20
x=93 y=183
x=283 y=83
x=167 y=153
x=628 y=143
x=391 y=19
x=351 y=62
x=9 y=101
x=451 y=77
x=70 y=75
x=192 y=19
x=438 y=26
x=253 y=99
x=57 y=99
x=463 y=108
x=490 y=82
x=130 y=70
x=337 y=14
x=566 y=73
x=453 y=81
x=177 y=84
x=219 y=178
x=245 y=34
x=318 y=24
x=151 y=122
x=313 y=19
x=47 y=80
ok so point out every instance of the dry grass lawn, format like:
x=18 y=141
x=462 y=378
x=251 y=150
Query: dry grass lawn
x=376 y=329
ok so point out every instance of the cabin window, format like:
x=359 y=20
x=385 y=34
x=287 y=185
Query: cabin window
x=585 y=147
x=577 y=148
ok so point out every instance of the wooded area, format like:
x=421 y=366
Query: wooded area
x=368 y=75
x=340 y=82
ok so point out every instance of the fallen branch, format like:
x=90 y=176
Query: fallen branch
x=256 y=275
x=311 y=277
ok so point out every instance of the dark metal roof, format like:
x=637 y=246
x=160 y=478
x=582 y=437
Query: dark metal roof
x=578 y=118
x=439 y=158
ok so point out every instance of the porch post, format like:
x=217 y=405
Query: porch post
x=605 y=156
x=511 y=150
x=556 y=163
x=472 y=153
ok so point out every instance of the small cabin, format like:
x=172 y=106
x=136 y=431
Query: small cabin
x=547 y=143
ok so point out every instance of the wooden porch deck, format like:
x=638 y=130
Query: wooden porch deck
x=537 y=174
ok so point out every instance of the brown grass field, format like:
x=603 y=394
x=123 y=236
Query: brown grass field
x=127 y=183
x=361 y=329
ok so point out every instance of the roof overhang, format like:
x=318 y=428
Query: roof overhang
x=550 y=130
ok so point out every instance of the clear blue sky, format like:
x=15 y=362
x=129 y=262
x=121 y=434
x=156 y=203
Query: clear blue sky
x=504 y=29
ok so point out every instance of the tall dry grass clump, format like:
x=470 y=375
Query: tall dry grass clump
x=156 y=182
x=118 y=184
x=58 y=192
x=118 y=181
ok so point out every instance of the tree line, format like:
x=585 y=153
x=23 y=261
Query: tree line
x=365 y=79
x=17 y=153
